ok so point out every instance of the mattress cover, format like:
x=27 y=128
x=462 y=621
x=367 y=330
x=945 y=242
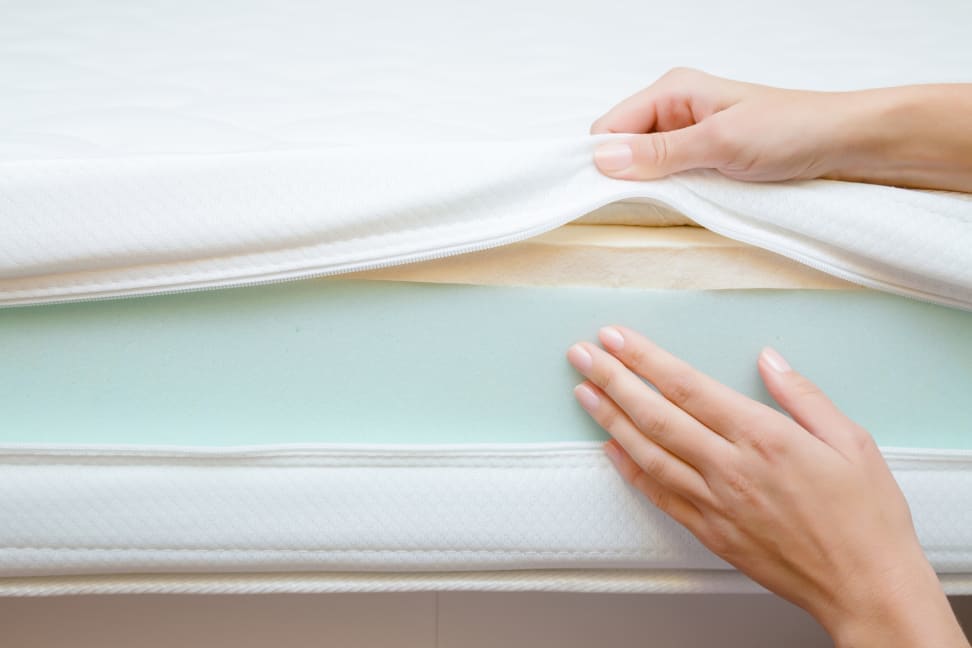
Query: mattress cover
x=280 y=142
x=237 y=219
x=267 y=149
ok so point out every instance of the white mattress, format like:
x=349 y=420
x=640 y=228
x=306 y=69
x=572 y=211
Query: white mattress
x=288 y=143
x=154 y=149
x=437 y=512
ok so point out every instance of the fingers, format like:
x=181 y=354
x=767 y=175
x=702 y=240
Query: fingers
x=636 y=114
x=655 y=418
x=664 y=467
x=809 y=406
x=648 y=157
x=675 y=126
x=677 y=506
x=721 y=409
x=679 y=98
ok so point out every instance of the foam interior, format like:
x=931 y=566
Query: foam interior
x=371 y=361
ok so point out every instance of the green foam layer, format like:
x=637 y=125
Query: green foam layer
x=357 y=361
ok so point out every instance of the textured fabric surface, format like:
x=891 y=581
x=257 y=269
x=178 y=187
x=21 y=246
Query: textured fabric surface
x=284 y=140
x=370 y=508
x=189 y=222
x=104 y=79
x=287 y=141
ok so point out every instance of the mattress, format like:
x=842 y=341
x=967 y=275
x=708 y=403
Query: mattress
x=243 y=421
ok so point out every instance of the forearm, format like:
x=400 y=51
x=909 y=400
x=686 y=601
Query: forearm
x=909 y=614
x=912 y=136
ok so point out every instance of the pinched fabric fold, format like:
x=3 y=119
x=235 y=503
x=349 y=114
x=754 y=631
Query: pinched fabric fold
x=91 y=228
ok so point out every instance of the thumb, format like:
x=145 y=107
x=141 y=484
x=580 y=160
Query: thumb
x=656 y=155
x=808 y=405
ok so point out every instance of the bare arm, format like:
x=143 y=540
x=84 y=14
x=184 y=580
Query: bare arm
x=911 y=136
x=806 y=505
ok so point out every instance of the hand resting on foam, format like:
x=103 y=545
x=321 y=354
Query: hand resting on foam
x=806 y=506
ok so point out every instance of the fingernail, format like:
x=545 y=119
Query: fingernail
x=586 y=397
x=580 y=358
x=775 y=360
x=611 y=338
x=613 y=453
x=613 y=157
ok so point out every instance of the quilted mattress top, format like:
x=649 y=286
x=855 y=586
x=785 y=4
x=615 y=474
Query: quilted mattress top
x=113 y=78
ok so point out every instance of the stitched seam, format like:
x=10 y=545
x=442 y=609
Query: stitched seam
x=571 y=552
x=269 y=550
x=531 y=463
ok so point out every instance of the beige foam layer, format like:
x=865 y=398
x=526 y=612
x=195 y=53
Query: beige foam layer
x=636 y=212
x=686 y=258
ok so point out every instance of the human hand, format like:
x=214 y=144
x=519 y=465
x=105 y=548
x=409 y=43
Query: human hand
x=916 y=136
x=806 y=506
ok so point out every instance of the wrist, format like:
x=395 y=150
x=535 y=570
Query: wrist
x=873 y=133
x=912 y=136
x=906 y=611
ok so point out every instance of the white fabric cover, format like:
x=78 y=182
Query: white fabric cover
x=281 y=141
x=109 y=227
x=147 y=148
x=98 y=511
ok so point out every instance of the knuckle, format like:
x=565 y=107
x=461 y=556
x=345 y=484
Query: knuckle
x=680 y=73
x=661 y=498
x=609 y=418
x=766 y=444
x=680 y=388
x=739 y=485
x=641 y=481
x=863 y=441
x=655 y=464
x=644 y=416
x=606 y=378
x=631 y=473
x=658 y=149
x=655 y=425
x=637 y=356
x=718 y=537
x=801 y=388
